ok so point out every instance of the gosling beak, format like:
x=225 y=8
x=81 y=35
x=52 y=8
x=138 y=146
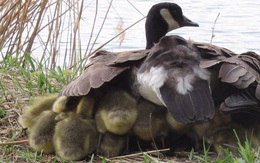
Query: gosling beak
x=188 y=22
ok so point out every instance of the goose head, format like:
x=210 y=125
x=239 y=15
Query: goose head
x=162 y=18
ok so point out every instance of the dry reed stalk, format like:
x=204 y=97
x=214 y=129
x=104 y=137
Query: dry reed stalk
x=2 y=2
x=15 y=18
x=21 y=25
x=14 y=142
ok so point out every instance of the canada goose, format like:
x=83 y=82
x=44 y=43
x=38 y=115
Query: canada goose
x=60 y=104
x=150 y=124
x=229 y=136
x=169 y=17
x=105 y=67
x=41 y=133
x=199 y=130
x=64 y=103
x=113 y=145
x=203 y=129
x=116 y=112
x=29 y=117
x=84 y=106
x=102 y=68
x=75 y=138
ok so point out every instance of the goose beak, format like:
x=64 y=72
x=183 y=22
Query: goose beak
x=188 y=22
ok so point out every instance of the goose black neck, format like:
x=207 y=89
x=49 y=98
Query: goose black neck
x=155 y=28
x=153 y=37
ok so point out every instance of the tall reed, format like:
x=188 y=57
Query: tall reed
x=21 y=23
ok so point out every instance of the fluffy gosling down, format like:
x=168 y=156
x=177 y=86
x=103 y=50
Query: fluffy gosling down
x=150 y=123
x=84 y=106
x=75 y=138
x=116 y=113
x=41 y=134
x=113 y=145
x=29 y=117
x=225 y=137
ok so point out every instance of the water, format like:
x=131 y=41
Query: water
x=237 y=27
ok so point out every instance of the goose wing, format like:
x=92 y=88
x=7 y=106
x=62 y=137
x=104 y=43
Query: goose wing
x=211 y=54
x=235 y=77
x=186 y=92
x=245 y=100
x=240 y=70
x=196 y=105
x=210 y=51
x=172 y=74
x=102 y=67
x=243 y=72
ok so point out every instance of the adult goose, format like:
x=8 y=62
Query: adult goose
x=161 y=18
x=106 y=68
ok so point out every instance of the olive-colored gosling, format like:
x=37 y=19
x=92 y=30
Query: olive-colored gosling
x=75 y=138
x=204 y=129
x=225 y=137
x=180 y=128
x=29 y=117
x=113 y=145
x=60 y=104
x=150 y=123
x=84 y=107
x=116 y=113
x=41 y=134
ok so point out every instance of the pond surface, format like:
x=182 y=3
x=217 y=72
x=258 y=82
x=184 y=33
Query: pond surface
x=237 y=27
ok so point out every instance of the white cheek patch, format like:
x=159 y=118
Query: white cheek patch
x=150 y=83
x=184 y=84
x=172 y=23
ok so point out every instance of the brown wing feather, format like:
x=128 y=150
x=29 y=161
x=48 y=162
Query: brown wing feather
x=245 y=65
x=126 y=56
x=95 y=75
x=210 y=51
x=236 y=72
x=230 y=73
x=244 y=100
x=211 y=54
x=102 y=67
x=253 y=61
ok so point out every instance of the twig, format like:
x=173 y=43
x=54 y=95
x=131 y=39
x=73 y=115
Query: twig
x=213 y=28
x=102 y=25
x=101 y=46
x=15 y=142
x=92 y=30
x=116 y=36
x=135 y=8
x=141 y=153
